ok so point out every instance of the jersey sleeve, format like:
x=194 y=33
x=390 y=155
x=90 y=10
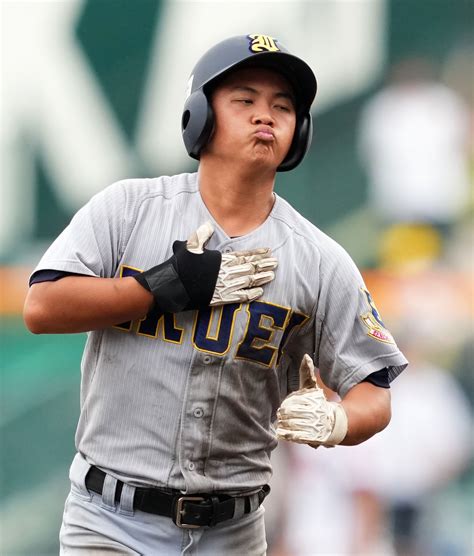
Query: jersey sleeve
x=92 y=243
x=351 y=340
x=49 y=276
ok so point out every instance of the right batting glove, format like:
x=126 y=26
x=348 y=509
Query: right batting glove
x=307 y=417
x=194 y=277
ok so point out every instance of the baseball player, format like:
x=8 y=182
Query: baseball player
x=208 y=302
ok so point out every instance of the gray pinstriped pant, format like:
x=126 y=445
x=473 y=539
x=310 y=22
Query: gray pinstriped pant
x=95 y=524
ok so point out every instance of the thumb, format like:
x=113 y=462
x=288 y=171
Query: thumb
x=307 y=373
x=199 y=238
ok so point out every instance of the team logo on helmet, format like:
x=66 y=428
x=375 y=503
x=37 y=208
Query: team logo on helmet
x=262 y=43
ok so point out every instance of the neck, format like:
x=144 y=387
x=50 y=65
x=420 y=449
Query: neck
x=239 y=200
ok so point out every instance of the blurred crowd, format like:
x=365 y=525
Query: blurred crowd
x=415 y=143
x=407 y=491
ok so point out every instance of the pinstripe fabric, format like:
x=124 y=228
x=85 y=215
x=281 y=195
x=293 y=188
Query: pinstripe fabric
x=188 y=401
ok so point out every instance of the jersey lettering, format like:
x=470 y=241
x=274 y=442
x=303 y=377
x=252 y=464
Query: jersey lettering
x=264 y=320
x=296 y=320
x=170 y=332
x=213 y=328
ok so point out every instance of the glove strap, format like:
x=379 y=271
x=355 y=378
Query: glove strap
x=165 y=285
x=185 y=281
x=341 y=426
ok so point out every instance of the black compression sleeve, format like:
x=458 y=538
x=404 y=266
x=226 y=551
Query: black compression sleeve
x=379 y=378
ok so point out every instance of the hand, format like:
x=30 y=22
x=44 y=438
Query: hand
x=195 y=277
x=307 y=417
x=240 y=273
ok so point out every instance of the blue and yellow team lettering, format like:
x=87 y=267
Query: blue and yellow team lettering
x=264 y=319
x=213 y=330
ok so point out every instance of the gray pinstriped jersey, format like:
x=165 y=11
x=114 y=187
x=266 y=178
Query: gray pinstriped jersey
x=187 y=401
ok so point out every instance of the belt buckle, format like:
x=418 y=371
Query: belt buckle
x=179 y=515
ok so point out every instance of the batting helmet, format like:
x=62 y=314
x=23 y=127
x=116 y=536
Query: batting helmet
x=247 y=51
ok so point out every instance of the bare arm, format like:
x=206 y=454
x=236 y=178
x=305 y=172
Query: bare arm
x=368 y=412
x=83 y=303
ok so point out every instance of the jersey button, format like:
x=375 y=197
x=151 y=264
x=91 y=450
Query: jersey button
x=207 y=359
x=191 y=466
x=198 y=412
x=227 y=249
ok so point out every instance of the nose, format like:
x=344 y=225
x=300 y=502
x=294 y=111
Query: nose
x=263 y=116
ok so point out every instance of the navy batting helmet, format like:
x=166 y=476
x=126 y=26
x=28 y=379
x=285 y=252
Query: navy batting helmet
x=247 y=51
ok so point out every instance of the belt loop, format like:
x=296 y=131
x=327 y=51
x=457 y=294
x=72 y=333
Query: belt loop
x=126 y=500
x=254 y=502
x=77 y=474
x=263 y=493
x=239 y=508
x=108 y=492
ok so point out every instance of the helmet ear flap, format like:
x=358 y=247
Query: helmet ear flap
x=300 y=145
x=197 y=123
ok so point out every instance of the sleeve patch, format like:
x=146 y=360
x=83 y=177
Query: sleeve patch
x=373 y=321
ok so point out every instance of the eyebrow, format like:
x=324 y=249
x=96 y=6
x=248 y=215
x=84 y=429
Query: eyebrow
x=280 y=94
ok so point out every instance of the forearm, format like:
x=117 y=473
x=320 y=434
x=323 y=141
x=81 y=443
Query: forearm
x=368 y=412
x=82 y=303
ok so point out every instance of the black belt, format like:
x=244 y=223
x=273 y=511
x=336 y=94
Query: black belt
x=186 y=511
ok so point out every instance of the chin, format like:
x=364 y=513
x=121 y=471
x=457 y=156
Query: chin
x=265 y=162
x=263 y=158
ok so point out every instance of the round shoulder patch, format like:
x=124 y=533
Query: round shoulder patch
x=373 y=321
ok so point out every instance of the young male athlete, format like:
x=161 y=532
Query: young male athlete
x=195 y=345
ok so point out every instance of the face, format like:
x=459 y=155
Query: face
x=254 y=118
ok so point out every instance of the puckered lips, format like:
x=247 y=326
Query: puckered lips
x=265 y=133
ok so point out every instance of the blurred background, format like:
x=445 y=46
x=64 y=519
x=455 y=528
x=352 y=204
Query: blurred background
x=92 y=93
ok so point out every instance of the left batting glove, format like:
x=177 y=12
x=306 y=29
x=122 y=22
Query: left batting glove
x=307 y=417
x=195 y=277
x=241 y=273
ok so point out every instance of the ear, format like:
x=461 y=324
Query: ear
x=307 y=373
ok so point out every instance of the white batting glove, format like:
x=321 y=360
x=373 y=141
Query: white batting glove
x=307 y=417
x=241 y=272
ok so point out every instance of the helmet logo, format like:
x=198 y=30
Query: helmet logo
x=261 y=43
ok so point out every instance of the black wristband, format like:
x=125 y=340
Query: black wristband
x=185 y=281
x=198 y=274
x=141 y=279
x=165 y=285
